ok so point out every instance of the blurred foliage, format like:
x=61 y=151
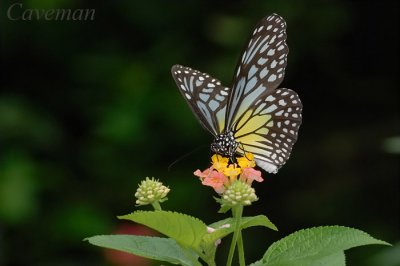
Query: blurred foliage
x=88 y=109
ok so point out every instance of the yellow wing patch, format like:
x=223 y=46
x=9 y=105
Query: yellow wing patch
x=251 y=132
x=250 y=123
x=253 y=139
x=257 y=151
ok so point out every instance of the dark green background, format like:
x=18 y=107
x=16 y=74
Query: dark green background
x=89 y=108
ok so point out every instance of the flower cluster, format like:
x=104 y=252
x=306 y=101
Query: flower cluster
x=221 y=175
x=150 y=191
x=238 y=193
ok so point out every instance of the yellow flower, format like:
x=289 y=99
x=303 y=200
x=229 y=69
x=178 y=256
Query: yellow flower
x=219 y=163
x=232 y=171
x=246 y=161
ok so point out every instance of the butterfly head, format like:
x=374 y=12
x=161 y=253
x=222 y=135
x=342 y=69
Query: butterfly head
x=225 y=144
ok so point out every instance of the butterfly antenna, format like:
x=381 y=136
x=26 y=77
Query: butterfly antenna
x=184 y=156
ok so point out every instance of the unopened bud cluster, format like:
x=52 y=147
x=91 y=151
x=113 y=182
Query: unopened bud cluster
x=239 y=193
x=151 y=190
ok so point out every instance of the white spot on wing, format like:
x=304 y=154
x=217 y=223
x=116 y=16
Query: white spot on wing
x=264 y=72
x=252 y=71
x=262 y=61
x=204 y=96
x=213 y=105
x=265 y=47
x=250 y=84
x=219 y=97
x=270 y=109
x=271 y=52
x=269 y=167
x=270 y=98
x=282 y=102
x=272 y=78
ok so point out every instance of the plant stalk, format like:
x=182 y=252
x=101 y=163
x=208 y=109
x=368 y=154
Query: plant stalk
x=237 y=215
x=156 y=205
x=242 y=260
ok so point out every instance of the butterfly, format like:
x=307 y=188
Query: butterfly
x=252 y=116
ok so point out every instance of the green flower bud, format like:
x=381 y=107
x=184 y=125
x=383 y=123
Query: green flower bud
x=150 y=191
x=238 y=193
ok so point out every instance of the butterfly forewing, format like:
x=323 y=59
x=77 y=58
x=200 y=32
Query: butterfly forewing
x=205 y=95
x=261 y=67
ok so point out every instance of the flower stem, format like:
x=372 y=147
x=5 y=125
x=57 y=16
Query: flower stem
x=237 y=215
x=242 y=261
x=156 y=205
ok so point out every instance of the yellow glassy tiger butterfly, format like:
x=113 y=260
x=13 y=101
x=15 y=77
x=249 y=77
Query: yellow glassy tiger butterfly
x=253 y=115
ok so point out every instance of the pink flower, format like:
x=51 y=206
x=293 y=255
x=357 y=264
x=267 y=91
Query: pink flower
x=203 y=174
x=216 y=180
x=250 y=174
x=220 y=175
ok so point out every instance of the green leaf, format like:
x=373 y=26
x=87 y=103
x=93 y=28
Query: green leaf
x=186 y=230
x=163 y=249
x=336 y=259
x=225 y=227
x=259 y=220
x=224 y=209
x=316 y=246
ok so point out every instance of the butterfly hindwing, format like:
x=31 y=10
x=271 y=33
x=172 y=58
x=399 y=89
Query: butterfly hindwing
x=261 y=67
x=205 y=95
x=269 y=129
